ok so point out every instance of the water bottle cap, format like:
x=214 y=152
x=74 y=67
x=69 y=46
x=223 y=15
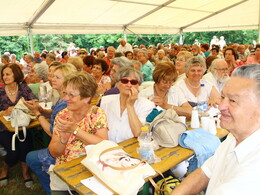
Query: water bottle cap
x=144 y=128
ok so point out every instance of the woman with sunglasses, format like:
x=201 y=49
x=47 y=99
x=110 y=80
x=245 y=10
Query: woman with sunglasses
x=126 y=112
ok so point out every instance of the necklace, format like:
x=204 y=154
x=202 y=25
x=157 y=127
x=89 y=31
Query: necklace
x=11 y=93
x=192 y=86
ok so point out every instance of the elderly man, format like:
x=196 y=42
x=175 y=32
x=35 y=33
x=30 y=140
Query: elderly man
x=218 y=74
x=110 y=56
x=234 y=168
x=147 y=67
x=124 y=47
x=50 y=58
x=241 y=52
x=37 y=57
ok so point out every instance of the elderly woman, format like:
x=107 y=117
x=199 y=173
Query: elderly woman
x=10 y=94
x=39 y=160
x=163 y=94
x=126 y=112
x=182 y=57
x=129 y=55
x=38 y=75
x=78 y=125
x=255 y=58
x=99 y=70
x=193 y=87
x=231 y=59
x=77 y=62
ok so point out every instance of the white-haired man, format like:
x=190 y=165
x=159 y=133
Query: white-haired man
x=124 y=47
x=234 y=168
x=218 y=74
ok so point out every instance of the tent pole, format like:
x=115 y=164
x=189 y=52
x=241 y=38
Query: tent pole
x=31 y=41
x=181 y=38
x=125 y=34
x=259 y=22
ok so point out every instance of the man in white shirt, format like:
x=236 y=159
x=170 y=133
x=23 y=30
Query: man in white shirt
x=218 y=74
x=234 y=168
x=124 y=47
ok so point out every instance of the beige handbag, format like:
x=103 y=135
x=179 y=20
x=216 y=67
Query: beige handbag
x=116 y=169
x=166 y=128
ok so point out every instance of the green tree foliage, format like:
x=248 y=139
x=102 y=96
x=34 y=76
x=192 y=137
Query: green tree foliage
x=21 y=44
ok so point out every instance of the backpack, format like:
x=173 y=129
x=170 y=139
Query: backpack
x=166 y=128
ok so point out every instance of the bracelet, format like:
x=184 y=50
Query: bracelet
x=64 y=143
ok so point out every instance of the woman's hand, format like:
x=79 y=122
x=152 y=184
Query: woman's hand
x=159 y=101
x=8 y=111
x=65 y=125
x=33 y=106
x=132 y=97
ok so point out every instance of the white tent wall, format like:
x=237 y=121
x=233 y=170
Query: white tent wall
x=119 y=16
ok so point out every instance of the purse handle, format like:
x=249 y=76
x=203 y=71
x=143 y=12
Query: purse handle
x=114 y=167
x=131 y=167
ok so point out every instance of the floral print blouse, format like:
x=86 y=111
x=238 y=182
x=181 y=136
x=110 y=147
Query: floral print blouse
x=94 y=120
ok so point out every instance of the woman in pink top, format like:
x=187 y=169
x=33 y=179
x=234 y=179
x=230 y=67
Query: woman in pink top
x=255 y=59
x=231 y=57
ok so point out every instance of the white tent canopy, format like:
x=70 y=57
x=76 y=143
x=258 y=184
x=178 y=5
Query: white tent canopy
x=130 y=16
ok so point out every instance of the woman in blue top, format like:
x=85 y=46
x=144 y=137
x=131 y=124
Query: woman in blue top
x=40 y=160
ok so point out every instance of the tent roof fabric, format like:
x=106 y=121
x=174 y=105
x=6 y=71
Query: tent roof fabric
x=130 y=16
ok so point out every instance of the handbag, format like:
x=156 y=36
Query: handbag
x=166 y=185
x=116 y=169
x=18 y=119
x=166 y=128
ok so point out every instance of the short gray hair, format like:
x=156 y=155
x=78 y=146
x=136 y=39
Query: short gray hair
x=137 y=62
x=121 y=61
x=195 y=61
x=251 y=71
x=129 y=71
x=51 y=56
x=143 y=52
x=214 y=64
x=41 y=70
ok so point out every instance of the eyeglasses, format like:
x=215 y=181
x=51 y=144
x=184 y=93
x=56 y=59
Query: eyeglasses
x=70 y=95
x=97 y=67
x=180 y=60
x=81 y=53
x=125 y=81
x=222 y=69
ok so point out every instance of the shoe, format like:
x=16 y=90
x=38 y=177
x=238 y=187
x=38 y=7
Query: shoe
x=28 y=183
x=2 y=152
x=3 y=181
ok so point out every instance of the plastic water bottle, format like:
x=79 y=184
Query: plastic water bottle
x=146 y=146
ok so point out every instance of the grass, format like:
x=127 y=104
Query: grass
x=16 y=185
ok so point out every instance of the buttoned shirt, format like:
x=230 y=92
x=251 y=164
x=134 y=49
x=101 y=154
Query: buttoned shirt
x=235 y=169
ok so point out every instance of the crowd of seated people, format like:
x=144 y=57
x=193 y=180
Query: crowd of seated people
x=129 y=82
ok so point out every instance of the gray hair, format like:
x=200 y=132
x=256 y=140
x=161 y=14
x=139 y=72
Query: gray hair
x=214 y=64
x=251 y=71
x=121 y=61
x=143 y=52
x=29 y=56
x=195 y=61
x=137 y=62
x=41 y=70
x=51 y=56
x=5 y=57
x=129 y=71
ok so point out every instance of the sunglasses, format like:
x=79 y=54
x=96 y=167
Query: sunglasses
x=125 y=81
x=82 y=53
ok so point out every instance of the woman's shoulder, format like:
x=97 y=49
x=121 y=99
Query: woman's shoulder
x=109 y=98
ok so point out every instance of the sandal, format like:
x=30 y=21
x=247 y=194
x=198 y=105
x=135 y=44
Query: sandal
x=28 y=183
x=3 y=181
